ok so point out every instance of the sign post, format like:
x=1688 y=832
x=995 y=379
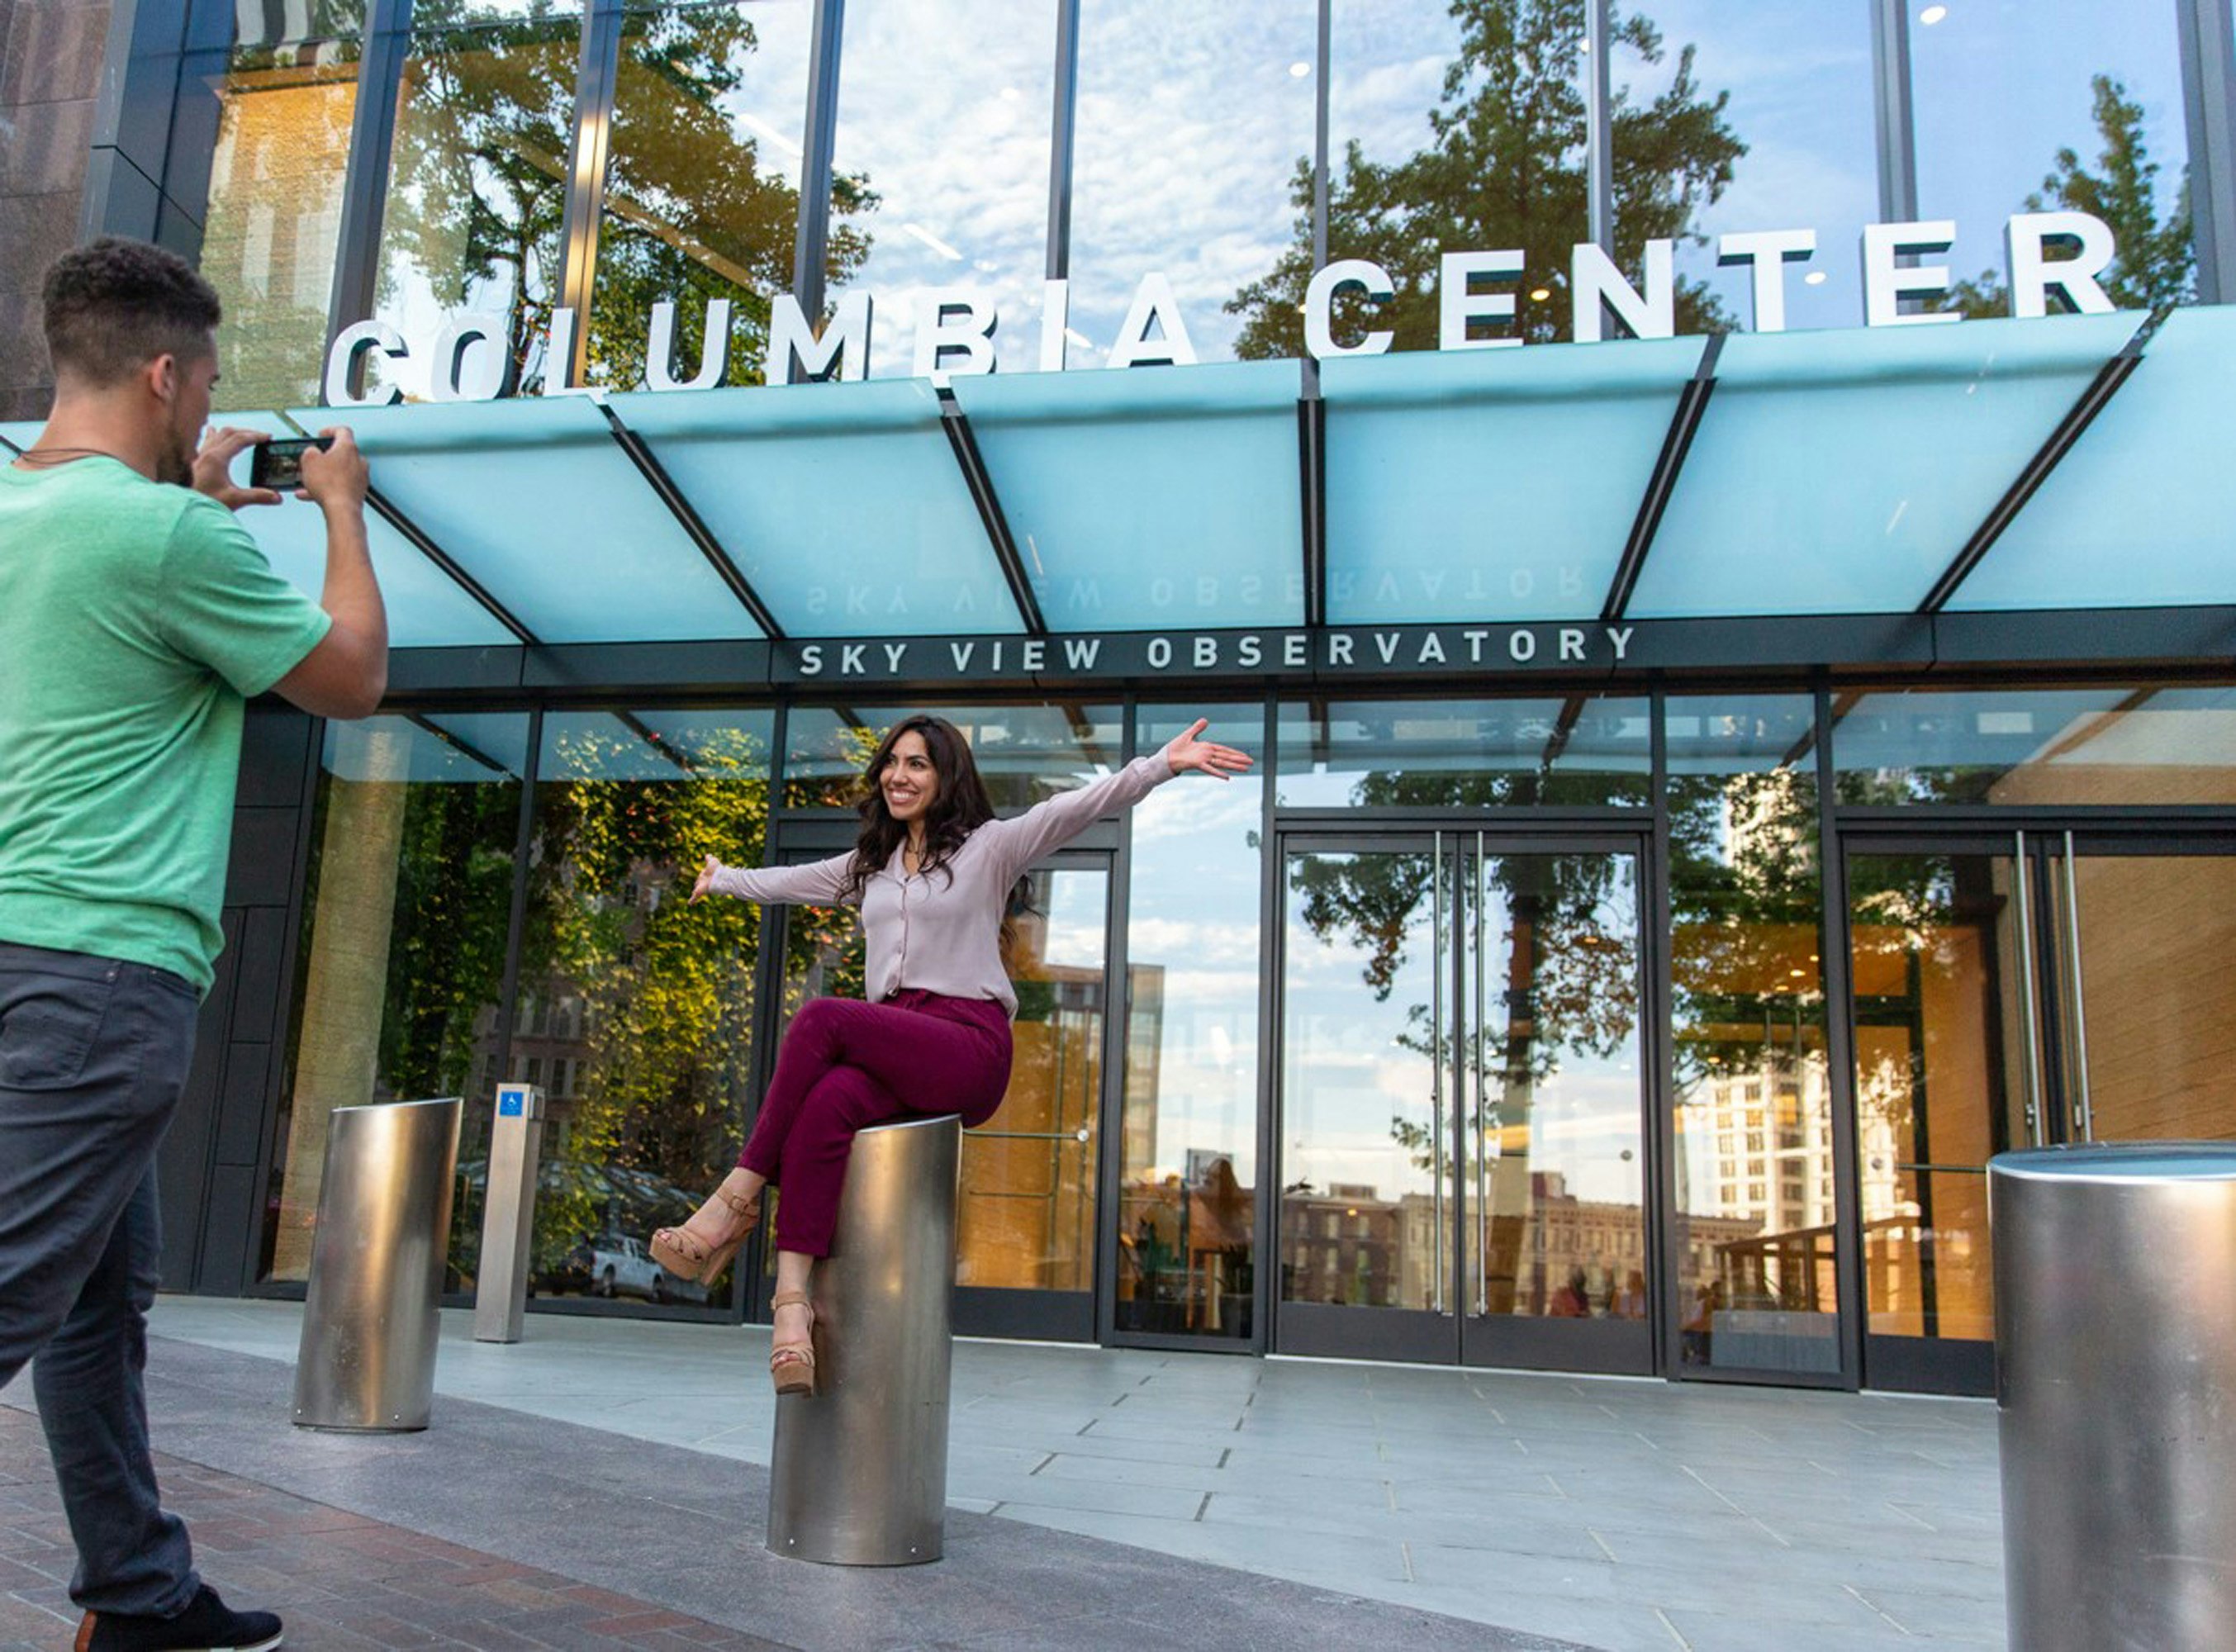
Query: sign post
x=508 y=1213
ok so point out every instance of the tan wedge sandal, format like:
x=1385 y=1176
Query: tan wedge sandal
x=792 y=1364
x=687 y=1255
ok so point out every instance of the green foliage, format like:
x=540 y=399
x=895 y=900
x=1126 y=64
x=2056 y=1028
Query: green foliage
x=2157 y=263
x=1506 y=168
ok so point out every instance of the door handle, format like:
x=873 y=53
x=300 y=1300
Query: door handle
x=2083 y=1118
x=1482 y=1097
x=2027 y=1030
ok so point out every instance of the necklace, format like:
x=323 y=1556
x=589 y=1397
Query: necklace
x=63 y=454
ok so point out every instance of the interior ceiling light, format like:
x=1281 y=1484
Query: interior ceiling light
x=1815 y=278
x=1933 y=15
x=1298 y=71
x=1539 y=295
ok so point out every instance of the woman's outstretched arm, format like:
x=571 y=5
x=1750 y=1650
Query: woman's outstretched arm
x=1049 y=824
x=821 y=883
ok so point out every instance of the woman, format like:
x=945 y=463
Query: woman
x=932 y=873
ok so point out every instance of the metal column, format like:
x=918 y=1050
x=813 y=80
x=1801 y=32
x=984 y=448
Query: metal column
x=2116 y=1355
x=366 y=1361
x=858 y=1477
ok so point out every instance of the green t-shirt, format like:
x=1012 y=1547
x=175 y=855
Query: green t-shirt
x=134 y=619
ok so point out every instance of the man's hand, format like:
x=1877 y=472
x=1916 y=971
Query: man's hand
x=336 y=476
x=213 y=468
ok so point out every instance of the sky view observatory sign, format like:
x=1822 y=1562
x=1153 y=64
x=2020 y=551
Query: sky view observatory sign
x=2063 y=252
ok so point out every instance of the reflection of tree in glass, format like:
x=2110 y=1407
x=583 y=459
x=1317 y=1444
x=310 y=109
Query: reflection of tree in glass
x=446 y=954
x=1565 y=989
x=668 y=988
x=1745 y=912
x=1506 y=169
x=480 y=169
x=2157 y=261
x=690 y=213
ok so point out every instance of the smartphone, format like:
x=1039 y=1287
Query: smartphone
x=279 y=463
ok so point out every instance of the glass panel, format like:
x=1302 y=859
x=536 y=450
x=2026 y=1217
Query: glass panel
x=1559 y=1224
x=1188 y=1171
x=571 y=501
x=286 y=104
x=426 y=607
x=1747 y=118
x=857 y=522
x=478 y=184
x=1935 y=425
x=1939 y=1081
x=1465 y=484
x=941 y=155
x=2055 y=105
x=2078 y=543
x=2156 y=933
x=406 y=906
x=1024 y=753
x=1491 y=752
x=1026 y=1217
x=636 y=1009
x=1195 y=131
x=1141 y=499
x=1754 y=1242
x=1426 y=101
x=702 y=181
x=2113 y=745
x=1362 y=1146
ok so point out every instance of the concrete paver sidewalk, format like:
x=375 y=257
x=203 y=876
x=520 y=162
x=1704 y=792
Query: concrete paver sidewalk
x=1631 y=1516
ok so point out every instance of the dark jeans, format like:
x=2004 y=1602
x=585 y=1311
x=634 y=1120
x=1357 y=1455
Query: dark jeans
x=93 y=1056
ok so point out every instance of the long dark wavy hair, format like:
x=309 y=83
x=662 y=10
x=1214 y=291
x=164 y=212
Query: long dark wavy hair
x=960 y=809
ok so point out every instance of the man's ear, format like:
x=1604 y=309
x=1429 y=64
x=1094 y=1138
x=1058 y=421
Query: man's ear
x=163 y=376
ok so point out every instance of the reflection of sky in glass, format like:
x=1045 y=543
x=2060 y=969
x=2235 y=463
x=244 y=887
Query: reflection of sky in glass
x=945 y=110
x=1329 y=748
x=1799 y=75
x=1193 y=919
x=1386 y=62
x=2001 y=85
x=1738 y=735
x=451 y=748
x=1190 y=124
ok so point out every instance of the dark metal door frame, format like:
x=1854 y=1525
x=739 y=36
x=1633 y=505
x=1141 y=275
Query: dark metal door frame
x=1451 y=1334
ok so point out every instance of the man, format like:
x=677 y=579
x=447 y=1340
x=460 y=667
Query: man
x=136 y=616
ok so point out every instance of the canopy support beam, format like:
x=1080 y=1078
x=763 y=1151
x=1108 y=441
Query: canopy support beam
x=688 y=517
x=972 y=464
x=386 y=510
x=1311 y=472
x=1692 y=401
x=2091 y=402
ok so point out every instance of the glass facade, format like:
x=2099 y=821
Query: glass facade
x=1649 y=1018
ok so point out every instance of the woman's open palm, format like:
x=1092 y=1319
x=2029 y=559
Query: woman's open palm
x=1220 y=762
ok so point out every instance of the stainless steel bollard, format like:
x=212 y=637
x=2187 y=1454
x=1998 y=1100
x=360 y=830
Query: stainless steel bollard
x=2116 y=1355
x=858 y=1477
x=370 y=1318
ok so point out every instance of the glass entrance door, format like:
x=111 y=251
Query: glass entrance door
x=2012 y=990
x=1026 y=1218
x=1461 y=1109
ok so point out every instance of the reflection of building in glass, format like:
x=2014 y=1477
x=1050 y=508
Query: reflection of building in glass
x=1601 y=1240
x=1348 y=1246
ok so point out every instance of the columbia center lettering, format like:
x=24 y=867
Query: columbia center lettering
x=1378 y=650
x=2045 y=253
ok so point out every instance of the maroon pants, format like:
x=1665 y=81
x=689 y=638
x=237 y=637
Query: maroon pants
x=844 y=1065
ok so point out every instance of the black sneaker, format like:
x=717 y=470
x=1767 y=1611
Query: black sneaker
x=207 y=1625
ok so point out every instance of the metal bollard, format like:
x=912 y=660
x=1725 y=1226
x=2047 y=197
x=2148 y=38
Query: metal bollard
x=859 y=1476
x=366 y=1362
x=2115 y=1356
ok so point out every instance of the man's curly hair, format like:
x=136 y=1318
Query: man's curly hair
x=114 y=305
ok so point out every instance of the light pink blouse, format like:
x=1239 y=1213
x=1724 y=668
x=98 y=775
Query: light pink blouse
x=943 y=933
